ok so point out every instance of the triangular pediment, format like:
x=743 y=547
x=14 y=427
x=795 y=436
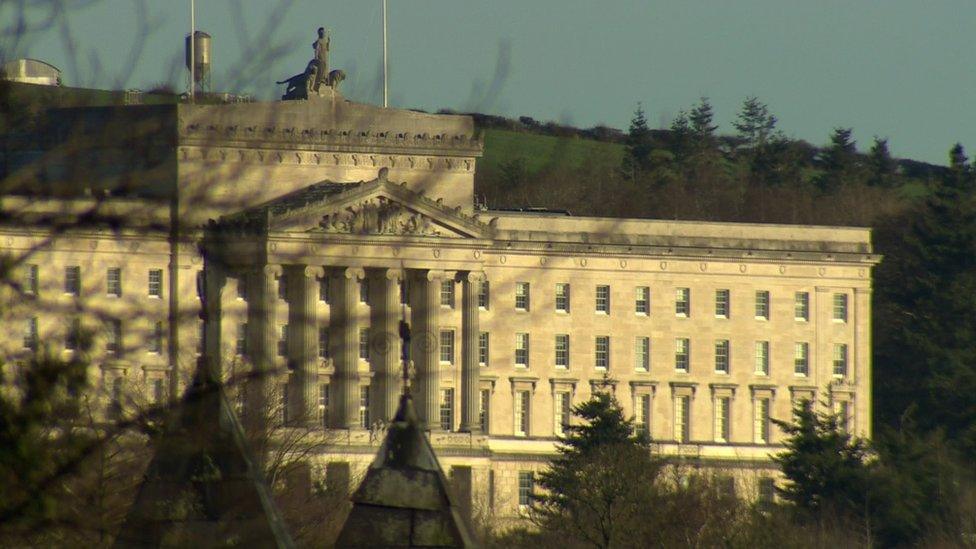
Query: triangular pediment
x=377 y=207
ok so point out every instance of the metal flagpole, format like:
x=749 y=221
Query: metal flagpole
x=385 y=92
x=193 y=53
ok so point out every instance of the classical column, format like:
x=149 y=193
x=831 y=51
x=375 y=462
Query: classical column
x=470 y=329
x=344 y=341
x=303 y=287
x=384 y=341
x=214 y=279
x=425 y=345
x=262 y=339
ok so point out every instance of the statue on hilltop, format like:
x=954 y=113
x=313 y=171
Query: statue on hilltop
x=309 y=83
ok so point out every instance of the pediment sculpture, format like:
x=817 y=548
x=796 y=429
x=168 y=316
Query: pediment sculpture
x=379 y=216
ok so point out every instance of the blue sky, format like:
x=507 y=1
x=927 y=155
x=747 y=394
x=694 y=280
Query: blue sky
x=896 y=68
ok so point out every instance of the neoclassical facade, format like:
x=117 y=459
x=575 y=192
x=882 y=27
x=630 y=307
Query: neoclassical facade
x=286 y=243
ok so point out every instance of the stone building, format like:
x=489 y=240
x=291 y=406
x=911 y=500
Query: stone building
x=312 y=228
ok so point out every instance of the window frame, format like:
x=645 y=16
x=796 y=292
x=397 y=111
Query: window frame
x=563 y=295
x=446 y=336
x=642 y=300
x=522 y=346
x=801 y=359
x=682 y=302
x=602 y=299
x=522 y=296
x=682 y=355
x=113 y=282
x=723 y=303
x=558 y=341
x=801 y=306
x=72 y=280
x=763 y=304
x=601 y=356
x=155 y=287
x=642 y=354
x=841 y=308
x=761 y=355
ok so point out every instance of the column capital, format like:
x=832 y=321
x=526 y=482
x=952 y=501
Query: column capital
x=471 y=276
x=313 y=271
x=272 y=270
x=349 y=273
x=392 y=274
x=430 y=275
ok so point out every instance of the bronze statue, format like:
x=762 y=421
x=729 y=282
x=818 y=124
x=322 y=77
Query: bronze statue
x=308 y=83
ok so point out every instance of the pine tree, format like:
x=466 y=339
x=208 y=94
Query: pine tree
x=755 y=124
x=702 y=126
x=882 y=165
x=639 y=144
x=838 y=159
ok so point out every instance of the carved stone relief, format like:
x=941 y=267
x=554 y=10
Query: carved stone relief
x=379 y=216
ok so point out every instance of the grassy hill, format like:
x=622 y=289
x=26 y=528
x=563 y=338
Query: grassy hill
x=541 y=152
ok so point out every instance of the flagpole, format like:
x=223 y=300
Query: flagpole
x=193 y=45
x=385 y=89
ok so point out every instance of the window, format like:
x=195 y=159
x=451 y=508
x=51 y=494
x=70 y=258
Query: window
x=840 y=307
x=682 y=302
x=762 y=305
x=602 y=352
x=73 y=340
x=241 y=347
x=642 y=300
x=762 y=358
x=722 y=304
x=682 y=421
x=156 y=283
x=324 y=403
x=722 y=425
x=522 y=350
x=483 y=292
x=801 y=306
x=447 y=409
x=522 y=296
x=722 y=352
x=156 y=339
x=483 y=348
x=31 y=280
x=603 y=299
x=562 y=350
x=642 y=354
x=522 y=413
x=72 y=280
x=840 y=360
x=283 y=341
x=447 y=346
x=30 y=334
x=364 y=291
x=526 y=485
x=484 y=410
x=113 y=282
x=364 y=407
x=642 y=415
x=447 y=293
x=681 y=354
x=282 y=287
x=562 y=298
x=801 y=359
x=842 y=409
x=324 y=342
x=767 y=491
x=364 y=343
x=761 y=428
x=113 y=344
x=324 y=289
x=157 y=391
x=242 y=288
x=563 y=411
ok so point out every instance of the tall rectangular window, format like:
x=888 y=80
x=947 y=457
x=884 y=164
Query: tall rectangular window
x=522 y=296
x=73 y=340
x=364 y=343
x=31 y=280
x=642 y=300
x=283 y=341
x=113 y=282
x=447 y=346
x=447 y=409
x=762 y=358
x=762 y=305
x=324 y=403
x=30 y=334
x=840 y=307
x=484 y=291
x=761 y=427
x=840 y=360
x=364 y=291
x=447 y=293
x=324 y=289
x=722 y=356
x=642 y=353
x=642 y=414
x=364 y=407
x=323 y=342
x=156 y=338
x=842 y=409
x=522 y=350
x=801 y=358
x=113 y=344
x=722 y=303
x=484 y=410
x=483 y=346
x=563 y=411
x=522 y=413
x=241 y=346
x=72 y=280
x=682 y=302
x=682 y=419
x=723 y=428
x=801 y=306
x=602 y=352
x=603 y=299
x=767 y=491
x=526 y=485
x=156 y=283
x=562 y=351
x=562 y=298
x=682 y=353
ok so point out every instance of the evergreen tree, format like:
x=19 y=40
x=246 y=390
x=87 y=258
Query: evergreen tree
x=639 y=144
x=755 y=124
x=702 y=126
x=680 y=137
x=838 y=159
x=882 y=165
x=761 y=147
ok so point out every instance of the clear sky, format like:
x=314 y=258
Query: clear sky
x=897 y=68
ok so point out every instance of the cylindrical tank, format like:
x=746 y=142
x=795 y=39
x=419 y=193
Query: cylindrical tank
x=201 y=51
